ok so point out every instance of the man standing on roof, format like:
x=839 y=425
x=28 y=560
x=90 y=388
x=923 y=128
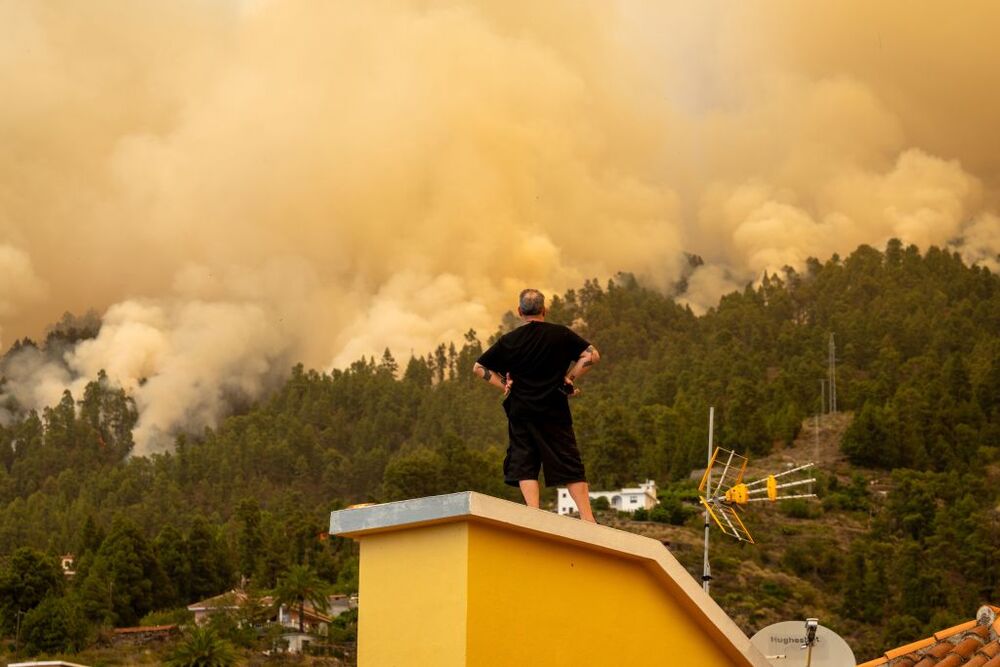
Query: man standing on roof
x=530 y=365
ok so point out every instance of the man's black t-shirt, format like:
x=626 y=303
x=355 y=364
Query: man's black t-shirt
x=537 y=355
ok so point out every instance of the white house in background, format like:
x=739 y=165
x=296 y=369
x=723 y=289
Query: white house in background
x=314 y=621
x=623 y=500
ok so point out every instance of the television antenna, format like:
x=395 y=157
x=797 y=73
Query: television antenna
x=725 y=499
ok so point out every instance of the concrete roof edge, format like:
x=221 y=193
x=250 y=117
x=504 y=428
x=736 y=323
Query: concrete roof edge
x=386 y=516
x=451 y=507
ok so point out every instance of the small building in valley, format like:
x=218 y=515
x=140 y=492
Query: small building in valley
x=228 y=602
x=314 y=621
x=627 y=499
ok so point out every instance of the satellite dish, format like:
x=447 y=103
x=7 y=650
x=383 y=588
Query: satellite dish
x=782 y=644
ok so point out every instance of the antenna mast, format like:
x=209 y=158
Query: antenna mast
x=706 y=571
x=833 y=375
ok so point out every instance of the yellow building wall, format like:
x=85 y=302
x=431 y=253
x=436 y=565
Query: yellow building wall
x=413 y=588
x=535 y=601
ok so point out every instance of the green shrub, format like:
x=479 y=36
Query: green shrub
x=901 y=629
x=54 y=626
x=799 y=559
x=775 y=589
x=676 y=511
x=799 y=509
x=203 y=648
x=344 y=628
x=176 y=616
x=660 y=514
x=851 y=498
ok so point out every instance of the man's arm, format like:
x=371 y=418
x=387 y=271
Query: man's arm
x=584 y=363
x=494 y=378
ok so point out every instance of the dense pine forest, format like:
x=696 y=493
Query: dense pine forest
x=918 y=340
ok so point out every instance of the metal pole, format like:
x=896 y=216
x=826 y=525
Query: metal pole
x=812 y=627
x=822 y=394
x=706 y=572
x=833 y=375
x=17 y=632
x=816 y=442
x=816 y=446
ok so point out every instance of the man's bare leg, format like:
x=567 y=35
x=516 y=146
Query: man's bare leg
x=579 y=491
x=530 y=491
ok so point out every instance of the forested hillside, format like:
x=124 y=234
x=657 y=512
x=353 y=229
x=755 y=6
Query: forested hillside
x=918 y=340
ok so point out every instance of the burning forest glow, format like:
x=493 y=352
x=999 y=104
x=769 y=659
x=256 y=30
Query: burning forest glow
x=239 y=185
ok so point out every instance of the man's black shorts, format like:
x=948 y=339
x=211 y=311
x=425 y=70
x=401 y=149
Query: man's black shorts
x=542 y=444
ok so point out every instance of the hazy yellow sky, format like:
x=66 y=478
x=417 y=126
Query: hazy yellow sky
x=242 y=184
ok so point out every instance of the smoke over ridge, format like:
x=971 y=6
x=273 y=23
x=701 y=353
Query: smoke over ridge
x=240 y=185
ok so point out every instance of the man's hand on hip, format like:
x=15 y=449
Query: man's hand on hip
x=569 y=388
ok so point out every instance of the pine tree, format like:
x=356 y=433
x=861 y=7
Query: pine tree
x=54 y=626
x=388 y=364
x=172 y=555
x=125 y=579
x=28 y=578
x=90 y=539
x=205 y=561
x=250 y=541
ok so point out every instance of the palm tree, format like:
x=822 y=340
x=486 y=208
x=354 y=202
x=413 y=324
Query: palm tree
x=300 y=585
x=203 y=648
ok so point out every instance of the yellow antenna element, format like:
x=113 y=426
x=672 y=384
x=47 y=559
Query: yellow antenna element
x=722 y=499
x=738 y=495
x=704 y=478
x=728 y=521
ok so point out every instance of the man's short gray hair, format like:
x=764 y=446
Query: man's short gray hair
x=531 y=302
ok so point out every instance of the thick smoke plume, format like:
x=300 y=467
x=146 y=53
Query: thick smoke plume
x=238 y=185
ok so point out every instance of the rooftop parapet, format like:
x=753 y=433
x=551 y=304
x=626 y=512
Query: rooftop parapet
x=467 y=579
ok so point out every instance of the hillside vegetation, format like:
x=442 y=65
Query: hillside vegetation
x=903 y=541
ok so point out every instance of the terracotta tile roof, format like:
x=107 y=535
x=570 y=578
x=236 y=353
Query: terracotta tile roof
x=975 y=643
x=228 y=600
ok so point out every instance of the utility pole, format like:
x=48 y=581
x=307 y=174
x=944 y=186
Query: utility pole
x=815 y=448
x=833 y=375
x=822 y=397
x=706 y=571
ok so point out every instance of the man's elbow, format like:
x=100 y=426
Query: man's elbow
x=477 y=369
x=592 y=356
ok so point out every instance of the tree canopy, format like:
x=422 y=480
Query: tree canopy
x=918 y=340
